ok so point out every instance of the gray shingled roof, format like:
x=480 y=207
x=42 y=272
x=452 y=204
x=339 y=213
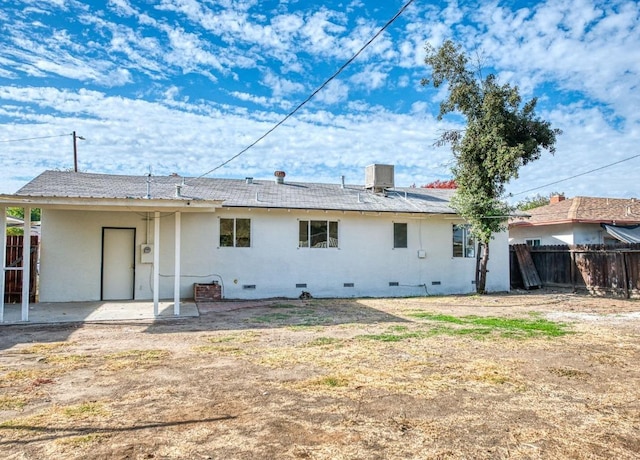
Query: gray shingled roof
x=239 y=193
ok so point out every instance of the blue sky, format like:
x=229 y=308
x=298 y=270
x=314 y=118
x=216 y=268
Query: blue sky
x=181 y=86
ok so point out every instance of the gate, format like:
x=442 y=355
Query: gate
x=13 y=278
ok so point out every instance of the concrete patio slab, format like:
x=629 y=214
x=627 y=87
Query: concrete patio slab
x=72 y=312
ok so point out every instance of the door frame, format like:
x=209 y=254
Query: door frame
x=133 y=284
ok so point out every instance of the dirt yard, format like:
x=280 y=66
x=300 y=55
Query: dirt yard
x=538 y=375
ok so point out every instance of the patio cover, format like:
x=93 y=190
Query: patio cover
x=624 y=233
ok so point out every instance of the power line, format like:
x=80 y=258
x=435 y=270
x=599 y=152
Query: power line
x=322 y=86
x=34 y=138
x=577 y=175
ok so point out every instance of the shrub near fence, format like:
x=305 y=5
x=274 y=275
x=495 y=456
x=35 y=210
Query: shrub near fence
x=598 y=269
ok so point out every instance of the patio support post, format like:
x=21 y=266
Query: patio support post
x=26 y=264
x=156 y=262
x=3 y=254
x=176 y=280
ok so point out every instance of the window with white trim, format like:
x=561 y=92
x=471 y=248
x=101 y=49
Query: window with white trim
x=318 y=234
x=533 y=242
x=235 y=233
x=463 y=241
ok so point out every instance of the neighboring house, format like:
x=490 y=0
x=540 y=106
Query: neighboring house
x=14 y=222
x=579 y=220
x=118 y=237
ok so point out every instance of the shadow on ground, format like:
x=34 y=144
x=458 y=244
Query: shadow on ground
x=232 y=315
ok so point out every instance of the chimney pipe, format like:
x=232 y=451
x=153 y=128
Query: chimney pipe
x=279 y=176
x=553 y=199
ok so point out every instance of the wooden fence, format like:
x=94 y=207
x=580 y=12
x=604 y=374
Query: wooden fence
x=13 y=278
x=598 y=269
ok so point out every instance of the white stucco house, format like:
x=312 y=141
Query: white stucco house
x=577 y=221
x=135 y=237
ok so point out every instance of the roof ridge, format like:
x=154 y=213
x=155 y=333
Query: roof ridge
x=573 y=210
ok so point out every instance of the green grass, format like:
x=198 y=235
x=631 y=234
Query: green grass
x=398 y=328
x=438 y=317
x=506 y=327
x=320 y=341
x=239 y=337
x=333 y=381
x=12 y=403
x=87 y=409
x=389 y=337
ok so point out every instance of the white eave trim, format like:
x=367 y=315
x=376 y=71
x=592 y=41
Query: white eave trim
x=120 y=204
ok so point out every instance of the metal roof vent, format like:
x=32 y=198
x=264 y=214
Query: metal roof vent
x=279 y=176
x=378 y=177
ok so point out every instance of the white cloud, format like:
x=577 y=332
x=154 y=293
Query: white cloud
x=335 y=92
x=320 y=30
x=260 y=100
x=281 y=86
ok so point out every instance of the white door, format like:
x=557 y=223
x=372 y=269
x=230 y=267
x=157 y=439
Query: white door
x=118 y=263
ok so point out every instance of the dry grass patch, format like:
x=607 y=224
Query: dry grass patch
x=324 y=341
x=67 y=363
x=45 y=348
x=21 y=375
x=569 y=373
x=135 y=359
x=239 y=337
x=83 y=441
x=471 y=378
x=220 y=350
x=328 y=381
x=84 y=410
x=8 y=402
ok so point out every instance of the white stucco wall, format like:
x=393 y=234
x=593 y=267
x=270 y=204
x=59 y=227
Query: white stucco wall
x=71 y=256
x=558 y=234
x=547 y=234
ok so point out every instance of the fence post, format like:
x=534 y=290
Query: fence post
x=3 y=255
x=625 y=275
x=26 y=264
x=572 y=270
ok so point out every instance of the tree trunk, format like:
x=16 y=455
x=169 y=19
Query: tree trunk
x=478 y=255
x=481 y=268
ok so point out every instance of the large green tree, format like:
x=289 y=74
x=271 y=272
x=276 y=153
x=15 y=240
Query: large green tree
x=500 y=136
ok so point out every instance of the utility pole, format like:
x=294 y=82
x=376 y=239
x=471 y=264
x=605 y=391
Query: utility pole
x=75 y=150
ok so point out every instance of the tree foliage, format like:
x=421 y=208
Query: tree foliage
x=533 y=202
x=501 y=135
x=19 y=213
